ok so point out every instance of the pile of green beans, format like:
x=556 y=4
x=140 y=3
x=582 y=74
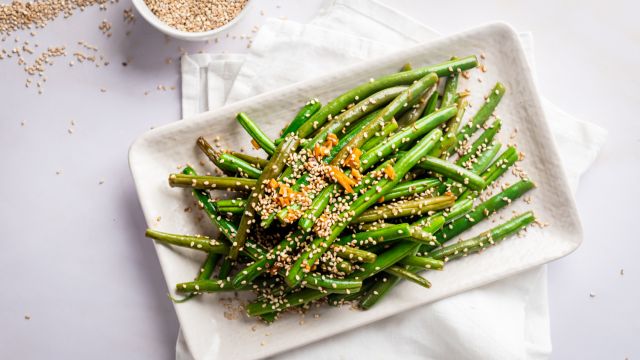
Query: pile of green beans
x=348 y=201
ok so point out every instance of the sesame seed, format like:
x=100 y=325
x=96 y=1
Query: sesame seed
x=194 y=15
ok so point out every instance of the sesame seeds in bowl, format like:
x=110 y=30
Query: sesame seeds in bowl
x=193 y=20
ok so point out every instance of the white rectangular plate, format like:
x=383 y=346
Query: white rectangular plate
x=210 y=334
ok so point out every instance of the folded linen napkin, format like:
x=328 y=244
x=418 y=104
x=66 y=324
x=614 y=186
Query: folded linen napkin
x=504 y=320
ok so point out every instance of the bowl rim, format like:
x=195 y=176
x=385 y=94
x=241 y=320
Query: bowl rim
x=151 y=18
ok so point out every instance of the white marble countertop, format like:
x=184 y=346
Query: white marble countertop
x=73 y=256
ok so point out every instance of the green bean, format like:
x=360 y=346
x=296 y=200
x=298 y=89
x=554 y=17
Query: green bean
x=385 y=260
x=318 y=204
x=341 y=267
x=305 y=113
x=230 y=203
x=377 y=292
x=460 y=208
x=413 y=187
x=225 y=268
x=450 y=140
x=250 y=273
x=406 y=135
x=409 y=96
x=484 y=139
x=420 y=231
x=392 y=232
x=197 y=242
x=484 y=160
x=483 y=114
x=231 y=210
x=403 y=78
x=375 y=226
x=416 y=110
x=408 y=275
x=272 y=170
x=230 y=206
x=228 y=163
x=450 y=89
x=423 y=232
x=253 y=250
x=269 y=318
x=208 y=286
x=380 y=136
x=254 y=131
x=211 y=182
x=485 y=209
x=353 y=254
x=406 y=67
x=344 y=267
x=357 y=207
x=497 y=168
x=432 y=104
x=506 y=159
x=330 y=284
x=214 y=156
x=206 y=270
x=366 y=286
x=422 y=262
x=422 y=237
x=208 y=266
x=452 y=171
x=301 y=297
x=204 y=201
x=404 y=208
x=253 y=160
x=236 y=165
x=242 y=167
x=489 y=237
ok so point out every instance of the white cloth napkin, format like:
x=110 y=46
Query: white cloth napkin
x=505 y=320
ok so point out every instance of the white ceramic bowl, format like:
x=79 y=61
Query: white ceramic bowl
x=146 y=13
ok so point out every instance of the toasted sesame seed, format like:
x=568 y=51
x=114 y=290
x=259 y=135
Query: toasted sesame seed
x=194 y=15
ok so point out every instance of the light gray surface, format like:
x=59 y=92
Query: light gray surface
x=73 y=257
